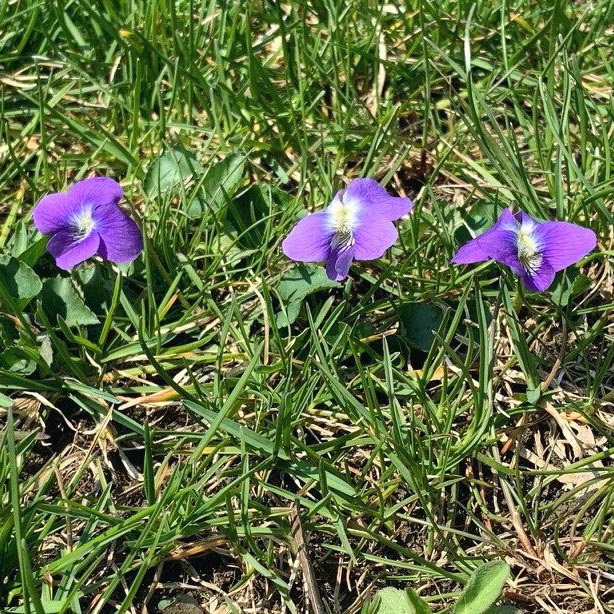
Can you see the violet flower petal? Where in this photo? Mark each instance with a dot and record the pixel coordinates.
(310, 240)
(121, 240)
(480, 248)
(540, 280)
(372, 195)
(471, 252)
(502, 247)
(498, 243)
(524, 218)
(96, 191)
(339, 261)
(564, 243)
(53, 211)
(372, 237)
(68, 251)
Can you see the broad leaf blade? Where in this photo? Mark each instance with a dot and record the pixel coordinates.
(59, 298)
(483, 589)
(19, 281)
(396, 601)
(295, 286)
(170, 169)
(419, 323)
(218, 185)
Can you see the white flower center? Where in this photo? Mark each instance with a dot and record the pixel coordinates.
(82, 223)
(529, 249)
(342, 220)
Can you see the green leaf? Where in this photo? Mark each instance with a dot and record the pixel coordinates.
(34, 252)
(580, 284)
(20, 238)
(568, 283)
(172, 167)
(419, 322)
(504, 609)
(51, 607)
(481, 216)
(218, 185)
(5, 401)
(59, 298)
(46, 350)
(395, 601)
(96, 287)
(420, 606)
(15, 360)
(483, 589)
(472, 222)
(296, 285)
(247, 216)
(20, 282)
(8, 332)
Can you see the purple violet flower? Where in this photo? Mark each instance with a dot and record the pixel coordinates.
(86, 221)
(356, 225)
(534, 250)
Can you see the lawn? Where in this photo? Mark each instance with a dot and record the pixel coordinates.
(216, 428)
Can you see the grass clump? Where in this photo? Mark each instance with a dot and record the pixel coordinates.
(218, 428)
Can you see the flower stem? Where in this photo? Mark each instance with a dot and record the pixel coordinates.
(519, 298)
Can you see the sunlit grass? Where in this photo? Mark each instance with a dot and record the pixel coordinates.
(402, 414)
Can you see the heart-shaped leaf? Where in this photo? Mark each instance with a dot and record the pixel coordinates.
(59, 298)
(218, 185)
(19, 281)
(419, 323)
(295, 286)
(172, 167)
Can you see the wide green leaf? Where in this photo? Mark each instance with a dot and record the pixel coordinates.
(218, 185)
(5, 401)
(296, 285)
(31, 252)
(15, 360)
(59, 298)
(419, 323)
(170, 169)
(19, 282)
(396, 601)
(504, 609)
(483, 589)
(567, 284)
